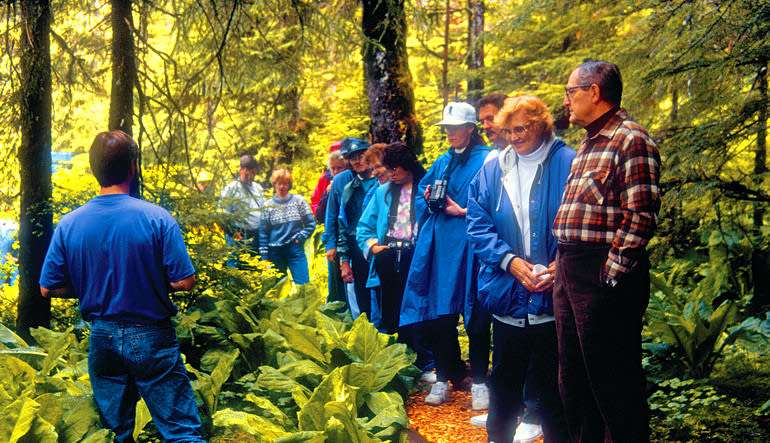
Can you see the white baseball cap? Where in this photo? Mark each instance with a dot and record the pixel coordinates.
(458, 113)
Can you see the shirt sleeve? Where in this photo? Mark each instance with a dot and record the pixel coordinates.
(176, 260)
(308, 221)
(54, 273)
(332, 213)
(480, 224)
(638, 174)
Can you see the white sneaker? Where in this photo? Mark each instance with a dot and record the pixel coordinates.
(479, 420)
(439, 393)
(527, 433)
(428, 377)
(480, 396)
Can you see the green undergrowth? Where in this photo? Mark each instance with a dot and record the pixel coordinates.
(733, 404)
(279, 366)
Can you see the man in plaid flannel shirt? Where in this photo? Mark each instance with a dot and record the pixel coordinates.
(607, 216)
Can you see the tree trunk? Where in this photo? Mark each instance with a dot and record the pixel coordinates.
(123, 77)
(760, 154)
(35, 220)
(445, 62)
(475, 59)
(389, 82)
(123, 67)
(760, 260)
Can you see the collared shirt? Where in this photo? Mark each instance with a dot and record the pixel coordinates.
(611, 195)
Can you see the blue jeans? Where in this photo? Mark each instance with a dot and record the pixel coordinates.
(292, 256)
(128, 360)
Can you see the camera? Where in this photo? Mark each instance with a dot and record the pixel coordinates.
(399, 244)
(437, 198)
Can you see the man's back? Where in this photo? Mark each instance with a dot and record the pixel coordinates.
(120, 254)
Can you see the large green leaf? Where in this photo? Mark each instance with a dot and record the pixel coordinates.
(350, 431)
(57, 345)
(17, 374)
(331, 329)
(259, 427)
(40, 432)
(10, 339)
(17, 419)
(364, 341)
(267, 407)
(303, 437)
(209, 386)
(390, 415)
(348, 384)
(273, 380)
(303, 369)
(387, 363)
(99, 436)
(304, 340)
(79, 417)
(312, 416)
(252, 349)
(233, 318)
(142, 417)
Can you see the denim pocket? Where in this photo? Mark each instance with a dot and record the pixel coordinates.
(153, 349)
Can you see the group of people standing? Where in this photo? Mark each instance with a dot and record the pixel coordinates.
(543, 242)
(275, 229)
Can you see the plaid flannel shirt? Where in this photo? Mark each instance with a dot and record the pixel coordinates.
(611, 195)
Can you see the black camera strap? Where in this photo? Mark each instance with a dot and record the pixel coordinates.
(455, 161)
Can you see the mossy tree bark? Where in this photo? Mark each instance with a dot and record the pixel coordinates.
(475, 60)
(123, 76)
(389, 82)
(35, 220)
(123, 67)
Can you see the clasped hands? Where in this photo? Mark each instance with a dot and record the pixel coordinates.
(540, 282)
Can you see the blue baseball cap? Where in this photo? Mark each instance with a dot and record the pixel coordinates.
(350, 145)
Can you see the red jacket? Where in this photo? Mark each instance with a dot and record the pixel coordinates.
(319, 195)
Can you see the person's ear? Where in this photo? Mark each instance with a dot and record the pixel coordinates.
(596, 94)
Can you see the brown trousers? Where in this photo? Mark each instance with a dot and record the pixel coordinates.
(601, 381)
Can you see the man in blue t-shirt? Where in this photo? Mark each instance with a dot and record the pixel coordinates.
(121, 257)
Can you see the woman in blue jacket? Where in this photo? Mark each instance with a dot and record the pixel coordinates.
(388, 229)
(511, 207)
(440, 279)
(287, 222)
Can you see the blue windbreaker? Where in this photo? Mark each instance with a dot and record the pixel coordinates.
(494, 231)
(440, 277)
(333, 208)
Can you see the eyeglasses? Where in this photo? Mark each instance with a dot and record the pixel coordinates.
(569, 89)
(518, 130)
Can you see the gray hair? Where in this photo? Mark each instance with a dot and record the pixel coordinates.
(333, 157)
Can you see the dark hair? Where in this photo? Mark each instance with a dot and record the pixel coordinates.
(248, 161)
(496, 100)
(111, 155)
(606, 75)
(398, 154)
(476, 138)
